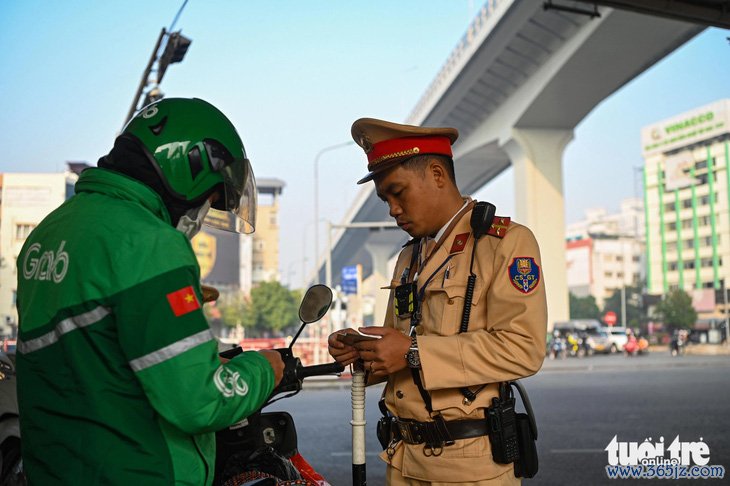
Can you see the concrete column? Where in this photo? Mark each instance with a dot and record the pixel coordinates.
(380, 254)
(537, 158)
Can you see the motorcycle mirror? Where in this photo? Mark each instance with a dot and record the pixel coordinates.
(315, 304)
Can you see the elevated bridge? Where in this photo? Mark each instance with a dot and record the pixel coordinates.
(515, 86)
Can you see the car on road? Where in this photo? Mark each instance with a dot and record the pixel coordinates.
(599, 341)
(617, 338)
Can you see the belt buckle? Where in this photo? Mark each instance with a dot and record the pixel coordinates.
(405, 431)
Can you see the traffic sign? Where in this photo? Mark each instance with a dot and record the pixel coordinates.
(610, 318)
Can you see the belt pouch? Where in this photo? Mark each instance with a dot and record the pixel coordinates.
(526, 465)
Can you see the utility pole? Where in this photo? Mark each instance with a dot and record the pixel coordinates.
(175, 48)
(145, 77)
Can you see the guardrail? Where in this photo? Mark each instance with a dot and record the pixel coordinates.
(457, 55)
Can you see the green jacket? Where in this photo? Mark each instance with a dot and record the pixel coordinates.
(118, 374)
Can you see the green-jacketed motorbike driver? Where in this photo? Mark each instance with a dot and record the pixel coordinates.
(119, 380)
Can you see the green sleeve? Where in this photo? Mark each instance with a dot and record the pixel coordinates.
(169, 345)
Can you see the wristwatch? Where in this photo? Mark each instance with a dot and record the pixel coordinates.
(412, 357)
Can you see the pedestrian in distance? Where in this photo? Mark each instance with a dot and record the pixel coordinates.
(443, 366)
(119, 380)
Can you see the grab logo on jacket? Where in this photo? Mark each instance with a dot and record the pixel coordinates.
(45, 265)
(230, 383)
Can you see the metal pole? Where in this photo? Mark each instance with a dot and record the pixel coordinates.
(316, 202)
(623, 306)
(145, 77)
(328, 275)
(358, 426)
(727, 322)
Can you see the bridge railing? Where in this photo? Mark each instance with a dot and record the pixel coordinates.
(457, 55)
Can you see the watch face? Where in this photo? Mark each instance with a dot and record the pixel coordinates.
(414, 359)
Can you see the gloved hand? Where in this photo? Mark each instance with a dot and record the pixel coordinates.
(210, 294)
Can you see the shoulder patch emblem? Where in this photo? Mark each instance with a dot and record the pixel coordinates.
(499, 226)
(459, 243)
(524, 274)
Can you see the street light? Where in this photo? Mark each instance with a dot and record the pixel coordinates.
(316, 198)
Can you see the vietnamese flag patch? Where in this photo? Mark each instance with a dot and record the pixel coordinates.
(183, 301)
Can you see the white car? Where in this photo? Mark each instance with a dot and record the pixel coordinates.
(617, 336)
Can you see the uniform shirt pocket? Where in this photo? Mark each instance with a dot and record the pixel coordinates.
(443, 306)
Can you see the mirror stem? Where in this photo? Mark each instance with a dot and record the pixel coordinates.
(301, 328)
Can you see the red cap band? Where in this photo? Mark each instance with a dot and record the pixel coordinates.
(408, 146)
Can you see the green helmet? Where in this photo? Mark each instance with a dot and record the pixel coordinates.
(196, 151)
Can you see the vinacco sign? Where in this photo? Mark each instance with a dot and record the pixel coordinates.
(688, 128)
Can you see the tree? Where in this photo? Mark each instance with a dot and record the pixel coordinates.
(584, 307)
(271, 308)
(634, 308)
(676, 310)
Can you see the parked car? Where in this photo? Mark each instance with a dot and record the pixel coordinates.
(617, 336)
(600, 341)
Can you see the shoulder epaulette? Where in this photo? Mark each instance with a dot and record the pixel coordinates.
(499, 226)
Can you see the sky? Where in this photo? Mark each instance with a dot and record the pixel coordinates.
(293, 76)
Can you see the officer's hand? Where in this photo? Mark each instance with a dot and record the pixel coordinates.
(341, 352)
(387, 354)
(276, 363)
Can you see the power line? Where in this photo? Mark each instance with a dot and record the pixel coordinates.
(177, 16)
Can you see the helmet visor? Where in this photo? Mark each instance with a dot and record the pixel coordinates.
(239, 198)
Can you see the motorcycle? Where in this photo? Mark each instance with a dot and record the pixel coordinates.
(678, 344)
(262, 449)
(558, 348)
(11, 464)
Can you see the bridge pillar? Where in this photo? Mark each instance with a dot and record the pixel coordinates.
(380, 254)
(537, 158)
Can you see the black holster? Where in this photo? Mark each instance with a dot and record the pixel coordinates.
(384, 428)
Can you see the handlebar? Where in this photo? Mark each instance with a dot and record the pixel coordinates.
(318, 370)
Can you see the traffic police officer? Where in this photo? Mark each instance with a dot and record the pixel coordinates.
(439, 375)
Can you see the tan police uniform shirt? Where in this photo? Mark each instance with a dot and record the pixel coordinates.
(505, 341)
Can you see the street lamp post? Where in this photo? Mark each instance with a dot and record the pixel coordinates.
(316, 197)
(363, 224)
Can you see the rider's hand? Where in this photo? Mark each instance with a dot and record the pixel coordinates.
(277, 364)
(341, 352)
(385, 355)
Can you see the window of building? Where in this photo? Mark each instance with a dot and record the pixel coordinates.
(669, 207)
(619, 258)
(705, 200)
(689, 265)
(672, 246)
(608, 274)
(673, 287)
(704, 221)
(708, 285)
(701, 164)
(636, 258)
(22, 230)
(687, 223)
(687, 203)
(688, 244)
(672, 266)
(272, 220)
(620, 275)
(672, 226)
(707, 240)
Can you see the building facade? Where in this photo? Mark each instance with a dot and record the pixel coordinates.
(25, 199)
(686, 181)
(265, 240)
(604, 252)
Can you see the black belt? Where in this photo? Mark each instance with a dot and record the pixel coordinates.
(413, 432)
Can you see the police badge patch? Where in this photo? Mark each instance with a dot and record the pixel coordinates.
(524, 274)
